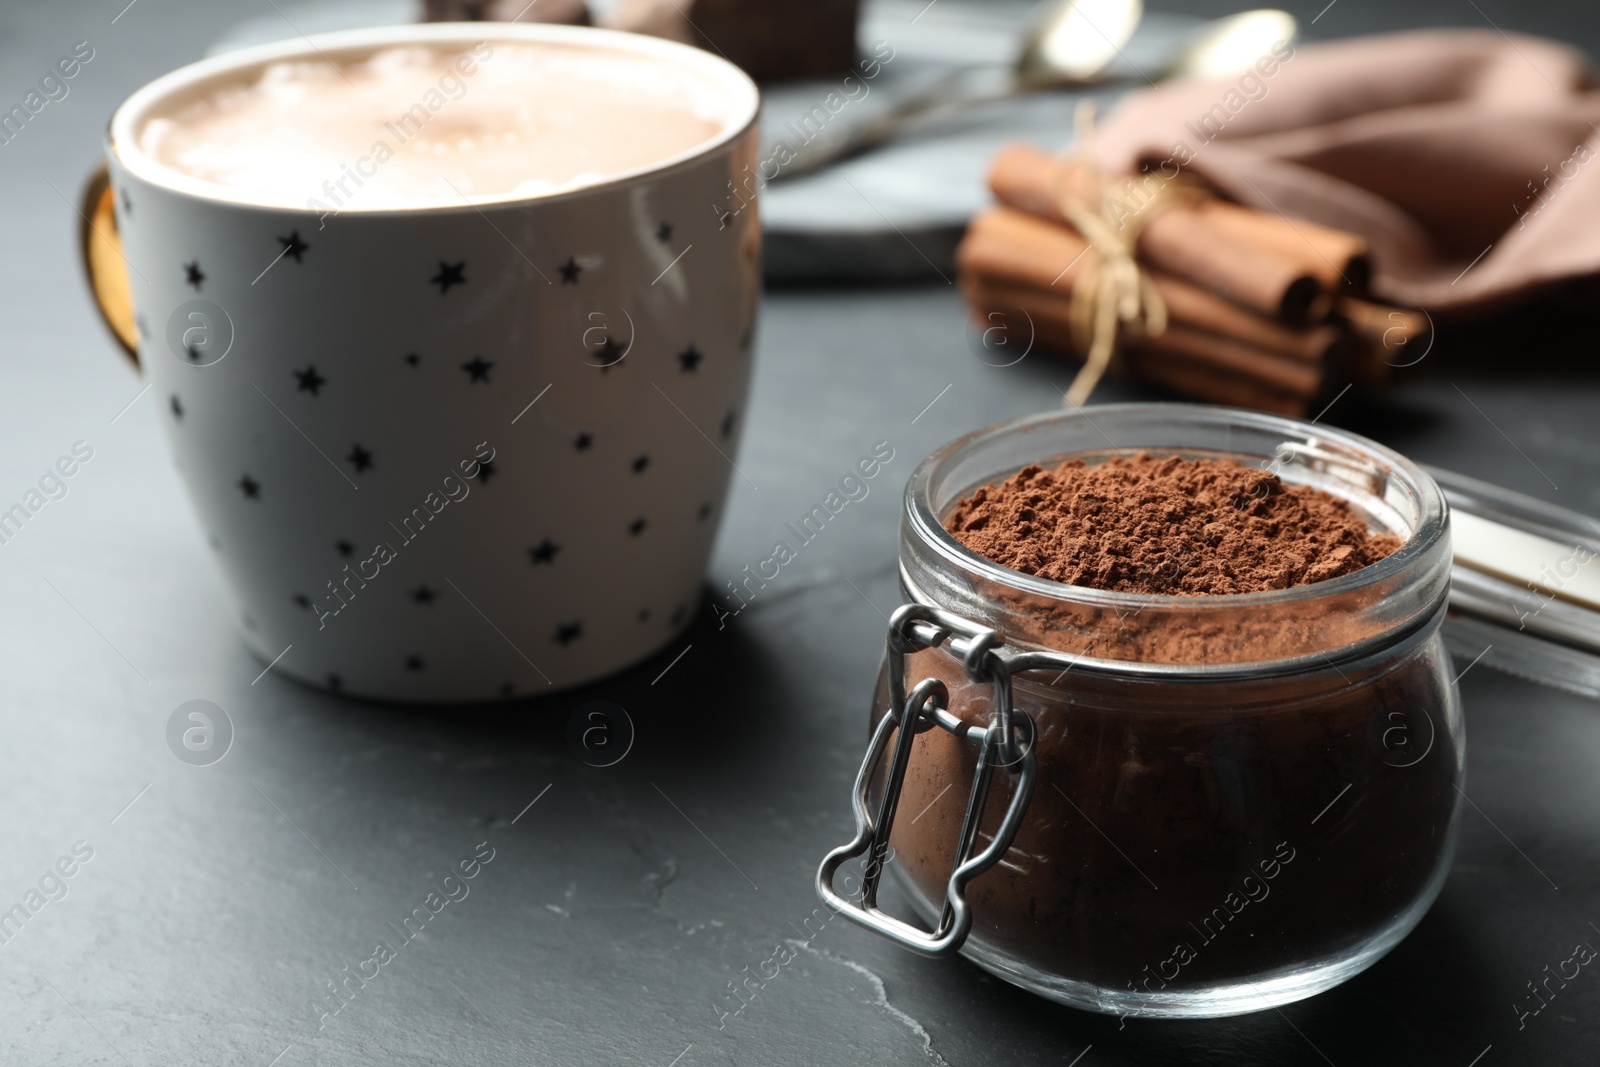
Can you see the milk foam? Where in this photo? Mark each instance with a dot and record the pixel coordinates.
(419, 126)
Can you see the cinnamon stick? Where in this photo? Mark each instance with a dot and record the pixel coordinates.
(1203, 383)
(1169, 370)
(1010, 246)
(1392, 338)
(1339, 260)
(1235, 365)
(1263, 274)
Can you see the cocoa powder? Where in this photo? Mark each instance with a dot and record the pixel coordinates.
(1144, 524)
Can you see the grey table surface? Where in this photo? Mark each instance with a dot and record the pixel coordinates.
(219, 902)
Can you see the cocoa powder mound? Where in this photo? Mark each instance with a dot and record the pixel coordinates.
(1146, 524)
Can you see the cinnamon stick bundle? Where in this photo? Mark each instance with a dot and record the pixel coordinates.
(1262, 261)
(1261, 311)
(1008, 246)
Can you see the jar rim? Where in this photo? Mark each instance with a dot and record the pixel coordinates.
(1430, 529)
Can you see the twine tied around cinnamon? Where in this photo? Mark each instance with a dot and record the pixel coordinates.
(1115, 299)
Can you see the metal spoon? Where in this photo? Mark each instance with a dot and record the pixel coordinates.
(1073, 41)
(1072, 44)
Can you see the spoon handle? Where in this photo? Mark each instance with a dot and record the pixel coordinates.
(949, 94)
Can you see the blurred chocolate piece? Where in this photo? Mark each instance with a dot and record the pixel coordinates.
(771, 41)
(568, 12)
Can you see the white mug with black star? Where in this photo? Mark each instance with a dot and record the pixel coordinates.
(455, 453)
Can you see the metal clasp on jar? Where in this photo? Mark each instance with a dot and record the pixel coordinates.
(1007, 742)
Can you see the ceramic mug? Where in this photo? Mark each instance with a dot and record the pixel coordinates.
(455, 453)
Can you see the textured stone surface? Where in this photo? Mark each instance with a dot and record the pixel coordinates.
(206, 925)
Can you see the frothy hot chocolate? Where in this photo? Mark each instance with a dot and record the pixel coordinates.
(419, 126)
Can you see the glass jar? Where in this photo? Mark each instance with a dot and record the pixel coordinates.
(1174, 805)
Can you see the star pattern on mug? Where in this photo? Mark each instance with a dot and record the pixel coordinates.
(449, 274)
(127, 204)
(478, 370)
(293, 247)
(309, 381)
(609, 354)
